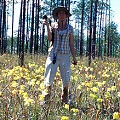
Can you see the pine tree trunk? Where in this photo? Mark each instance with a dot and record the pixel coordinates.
(27, 31)
(82, 23)
(22, 33)
(100, 42)
(36, 27)
(32, 28)
(19, 31)
(105, 46)
(12, 40)
(0, 27)
(109, 32)
(94, 31)
(90, 39)
(4, 28)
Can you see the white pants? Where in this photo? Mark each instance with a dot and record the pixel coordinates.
(64, 64)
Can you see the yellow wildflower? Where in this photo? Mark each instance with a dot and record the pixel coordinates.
(32, 82)
(75, 77)
(86, 75)
(17, 78)
(99, 84)
(104, 82)
(83, 83)
(41, 68)
(59, 83)
(42, 97)
(29, 101)
(0, 94)
(93, 95)
(42, 86)
(91, 69)
(22, 87)
(105, 75)
(113, 88)
(99, 100)
(65, 118)
(86, 68)
(118, 94)
(108, 89)
(113, 74)
(25, 95)
(1, 80)
(89, 84)
(38, 82)
(14, 84)
(67, 106)
(99, 72)
(75, 110)
(45, 92)
(116, 115)
(79, 87)
(107, 95)
(95, 89)
(21, 92)
(14, 92)
(91, 76)
(42, 78)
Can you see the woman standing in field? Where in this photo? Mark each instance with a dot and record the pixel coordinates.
(61, 36)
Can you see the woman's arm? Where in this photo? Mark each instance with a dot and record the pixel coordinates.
(49, 31)
(72, 48)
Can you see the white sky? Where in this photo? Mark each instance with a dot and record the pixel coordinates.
(114, 6)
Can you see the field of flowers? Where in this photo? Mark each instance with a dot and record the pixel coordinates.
(96, 90)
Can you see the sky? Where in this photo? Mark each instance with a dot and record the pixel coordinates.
(115, 7)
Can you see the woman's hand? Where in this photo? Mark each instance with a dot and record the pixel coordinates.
(45, 22)
(74, 61)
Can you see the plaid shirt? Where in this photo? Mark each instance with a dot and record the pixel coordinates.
(62, 40)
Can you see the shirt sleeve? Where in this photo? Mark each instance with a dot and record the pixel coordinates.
(70, 29)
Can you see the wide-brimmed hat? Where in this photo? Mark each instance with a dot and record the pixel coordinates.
(60, 8)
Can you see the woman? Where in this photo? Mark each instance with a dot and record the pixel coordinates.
(61, 36)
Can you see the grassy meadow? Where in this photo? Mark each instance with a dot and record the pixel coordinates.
(95, 89)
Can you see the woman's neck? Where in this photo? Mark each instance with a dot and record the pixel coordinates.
(62, 25)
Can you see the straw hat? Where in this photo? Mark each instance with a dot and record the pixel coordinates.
(60, 8)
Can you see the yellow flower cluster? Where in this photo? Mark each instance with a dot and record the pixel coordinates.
(95, 86)
(24, 80)
(0, 93)
(65, 118)
(75, 110)
(116, 115)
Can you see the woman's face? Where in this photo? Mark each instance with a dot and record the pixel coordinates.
(62, 15)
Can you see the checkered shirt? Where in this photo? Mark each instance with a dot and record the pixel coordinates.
(62, 40)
